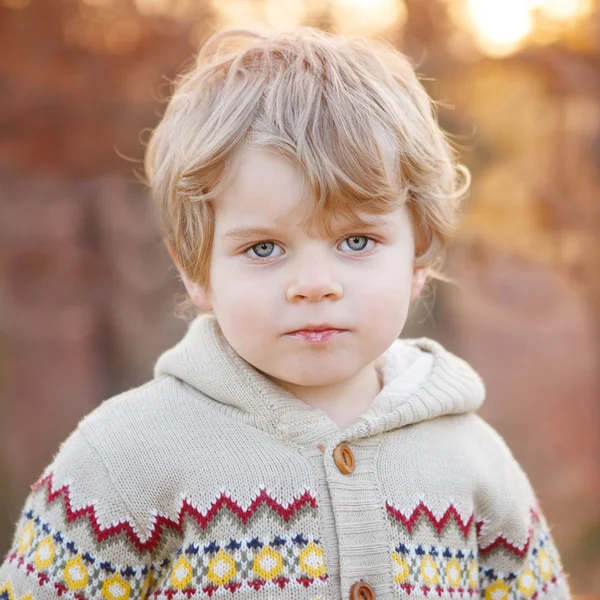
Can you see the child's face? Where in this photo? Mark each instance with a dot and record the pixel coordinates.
(296, 280)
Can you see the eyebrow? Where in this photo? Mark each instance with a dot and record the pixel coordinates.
(243, 232)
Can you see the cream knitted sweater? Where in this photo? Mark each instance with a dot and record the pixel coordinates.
(210, 481)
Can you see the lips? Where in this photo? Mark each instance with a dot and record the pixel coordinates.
(321, 327)
(312, 335)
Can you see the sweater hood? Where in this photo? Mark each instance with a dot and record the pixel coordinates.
(421, 381)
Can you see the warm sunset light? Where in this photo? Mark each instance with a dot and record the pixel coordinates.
(565, 10)
(367, 16)
(284, 14)
(501, 27)
(239, 13)
(155, 7)
(357, 17)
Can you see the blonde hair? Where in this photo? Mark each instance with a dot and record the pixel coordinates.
(350, 114)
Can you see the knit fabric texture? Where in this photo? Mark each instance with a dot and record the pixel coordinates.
(210, 481)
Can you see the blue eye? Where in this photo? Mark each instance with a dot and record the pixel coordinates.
(358, 243)
(356, 239)
(263, 250)
(264, 247)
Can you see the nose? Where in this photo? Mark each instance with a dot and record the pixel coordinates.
(313, 281)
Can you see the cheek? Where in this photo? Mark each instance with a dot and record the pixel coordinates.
(385, 295)
(240, 296)
(391, 281)
(387, 304)
(229, 282)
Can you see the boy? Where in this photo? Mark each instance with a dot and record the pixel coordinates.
(290, 445)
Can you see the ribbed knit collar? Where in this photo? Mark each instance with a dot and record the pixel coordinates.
(435, 383)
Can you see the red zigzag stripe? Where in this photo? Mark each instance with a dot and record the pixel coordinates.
(451, 512)
(438, 524)
(502, 542)
(162, 522)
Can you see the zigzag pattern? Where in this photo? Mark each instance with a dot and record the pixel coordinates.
(161, 522)
(438, 524)
(502, 542)
(452, 513)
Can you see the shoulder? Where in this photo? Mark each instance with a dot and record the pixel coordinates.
(495, 462)
(500, 486)
(132, 408)
(120, 463)
(150, 416)
(468, 432)
(142, 435)
(463, 431)
(463, 458)
(83, 464)
(468, 446)
(82, 512)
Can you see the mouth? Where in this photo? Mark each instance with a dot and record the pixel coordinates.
(316, 334)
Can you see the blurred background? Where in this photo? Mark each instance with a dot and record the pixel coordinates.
(87, 291)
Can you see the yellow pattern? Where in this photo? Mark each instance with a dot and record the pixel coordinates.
(312, 560)
(527, 583)
(116, 588)
(497, 591)
(181, 573)
(403, 571)
(8, 589)
(221, 568)
(147, 585)
(45, 553)
(453, 572)
(75, 574)
(9, 592)
(268, 563)
(429, 571)
(473, 575)
(545, 565)
(26, 538)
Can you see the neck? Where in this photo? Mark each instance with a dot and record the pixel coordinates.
(343, 402)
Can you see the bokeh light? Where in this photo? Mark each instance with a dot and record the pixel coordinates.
(367, 16)
(288, 14)
(501, 28)
(354, 17)
(239, 13)
(565, 10)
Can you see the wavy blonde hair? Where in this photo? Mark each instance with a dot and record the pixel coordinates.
(350, 114)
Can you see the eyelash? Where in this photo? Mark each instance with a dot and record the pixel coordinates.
(265, 259)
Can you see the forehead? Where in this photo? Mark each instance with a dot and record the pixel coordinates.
(262, 184)
(267, 190)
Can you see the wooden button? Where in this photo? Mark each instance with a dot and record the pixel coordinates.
(344, 459)
(362, 591)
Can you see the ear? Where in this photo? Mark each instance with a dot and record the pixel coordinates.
(418, 282)
(196, 292)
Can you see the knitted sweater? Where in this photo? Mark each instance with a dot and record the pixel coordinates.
(210, 481)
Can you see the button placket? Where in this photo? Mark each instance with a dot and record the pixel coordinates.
(359, 518)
